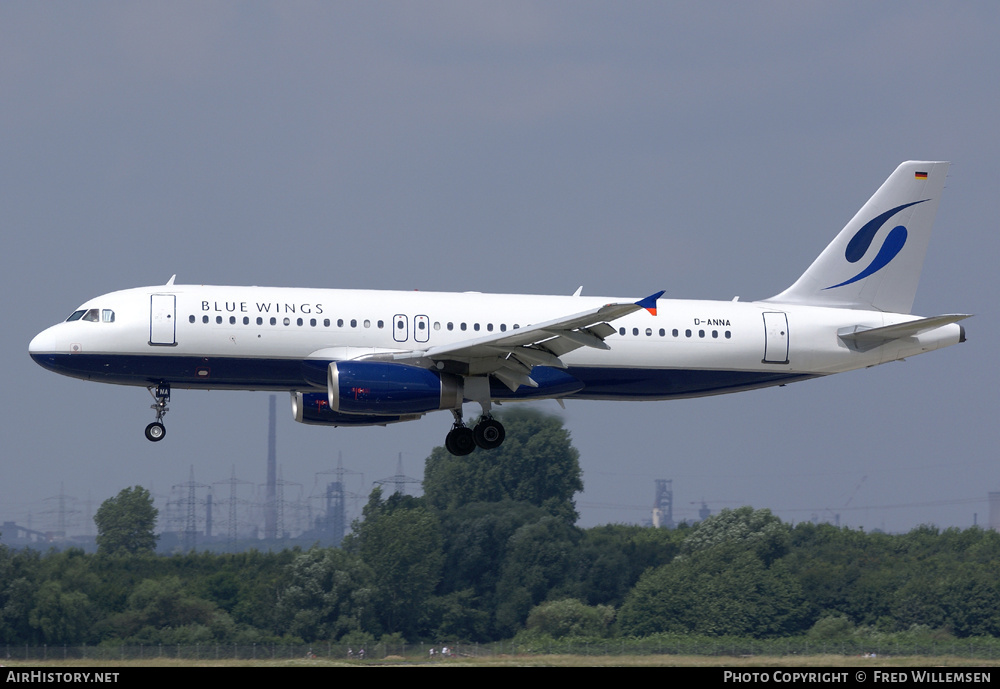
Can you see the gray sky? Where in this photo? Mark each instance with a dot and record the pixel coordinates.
(709, 149)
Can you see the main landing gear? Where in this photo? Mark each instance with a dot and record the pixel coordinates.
(462, 440)
(161, 394)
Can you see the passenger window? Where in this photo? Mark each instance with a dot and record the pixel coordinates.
(191, 318)
(274, 321)
(503, 327)
(232, 320)
(635, 331)
(475, 326)
(204, 319)
(354, 322)
(260, 321)
(621, 331)
(368, 323)
(489, 326)
(246, 320)
(462, 326)
(326, 322)
(287, 320)
(649, 331)
(381, 324)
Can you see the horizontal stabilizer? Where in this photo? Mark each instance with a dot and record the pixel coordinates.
(861, 339)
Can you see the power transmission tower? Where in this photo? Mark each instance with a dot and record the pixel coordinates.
(400, 480)
(232, 530)
(334, 520)
(62, 511)
(189, 536)
(663, 507)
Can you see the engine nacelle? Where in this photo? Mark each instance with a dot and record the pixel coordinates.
(314, 408)
(375, 387)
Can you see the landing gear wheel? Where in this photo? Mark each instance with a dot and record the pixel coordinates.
(460, 441)
(155, 431)
(489, 434)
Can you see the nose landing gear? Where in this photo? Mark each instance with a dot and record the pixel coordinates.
(156, 431)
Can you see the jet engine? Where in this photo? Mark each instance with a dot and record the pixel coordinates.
(313, 408)
(375, 387)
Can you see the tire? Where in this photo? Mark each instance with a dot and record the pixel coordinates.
(460, 441)
(489, 434)
(155, 432)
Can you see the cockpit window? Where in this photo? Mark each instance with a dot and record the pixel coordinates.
(93, 315)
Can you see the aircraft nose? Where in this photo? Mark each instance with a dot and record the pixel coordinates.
(45, 350)
(42, 343)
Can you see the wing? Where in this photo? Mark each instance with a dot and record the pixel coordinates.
(511, 355)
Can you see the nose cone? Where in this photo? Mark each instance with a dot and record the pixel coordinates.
(42, 342)
(43, 348)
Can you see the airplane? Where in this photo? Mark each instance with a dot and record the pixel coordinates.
(367, 357)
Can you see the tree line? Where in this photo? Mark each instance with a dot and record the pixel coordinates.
(491, 552)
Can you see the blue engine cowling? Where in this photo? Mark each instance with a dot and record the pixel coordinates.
(314, 408)
(375, 387)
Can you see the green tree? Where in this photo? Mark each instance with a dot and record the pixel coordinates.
(570, 617)
(62, 617)
(744, 528)
(540, 562)
(328, 589)
(536, 464)
(614, 556)
(125, 523)
(400, 540)
(164, 611)
(729, 579)
(715, 593)
(19, 580)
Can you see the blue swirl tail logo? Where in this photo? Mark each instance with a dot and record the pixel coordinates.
(862, 241)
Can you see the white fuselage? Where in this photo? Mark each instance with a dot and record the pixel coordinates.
(257, 338)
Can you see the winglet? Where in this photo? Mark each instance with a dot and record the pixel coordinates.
(649, 303)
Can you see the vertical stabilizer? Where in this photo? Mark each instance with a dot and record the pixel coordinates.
(875, 261)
